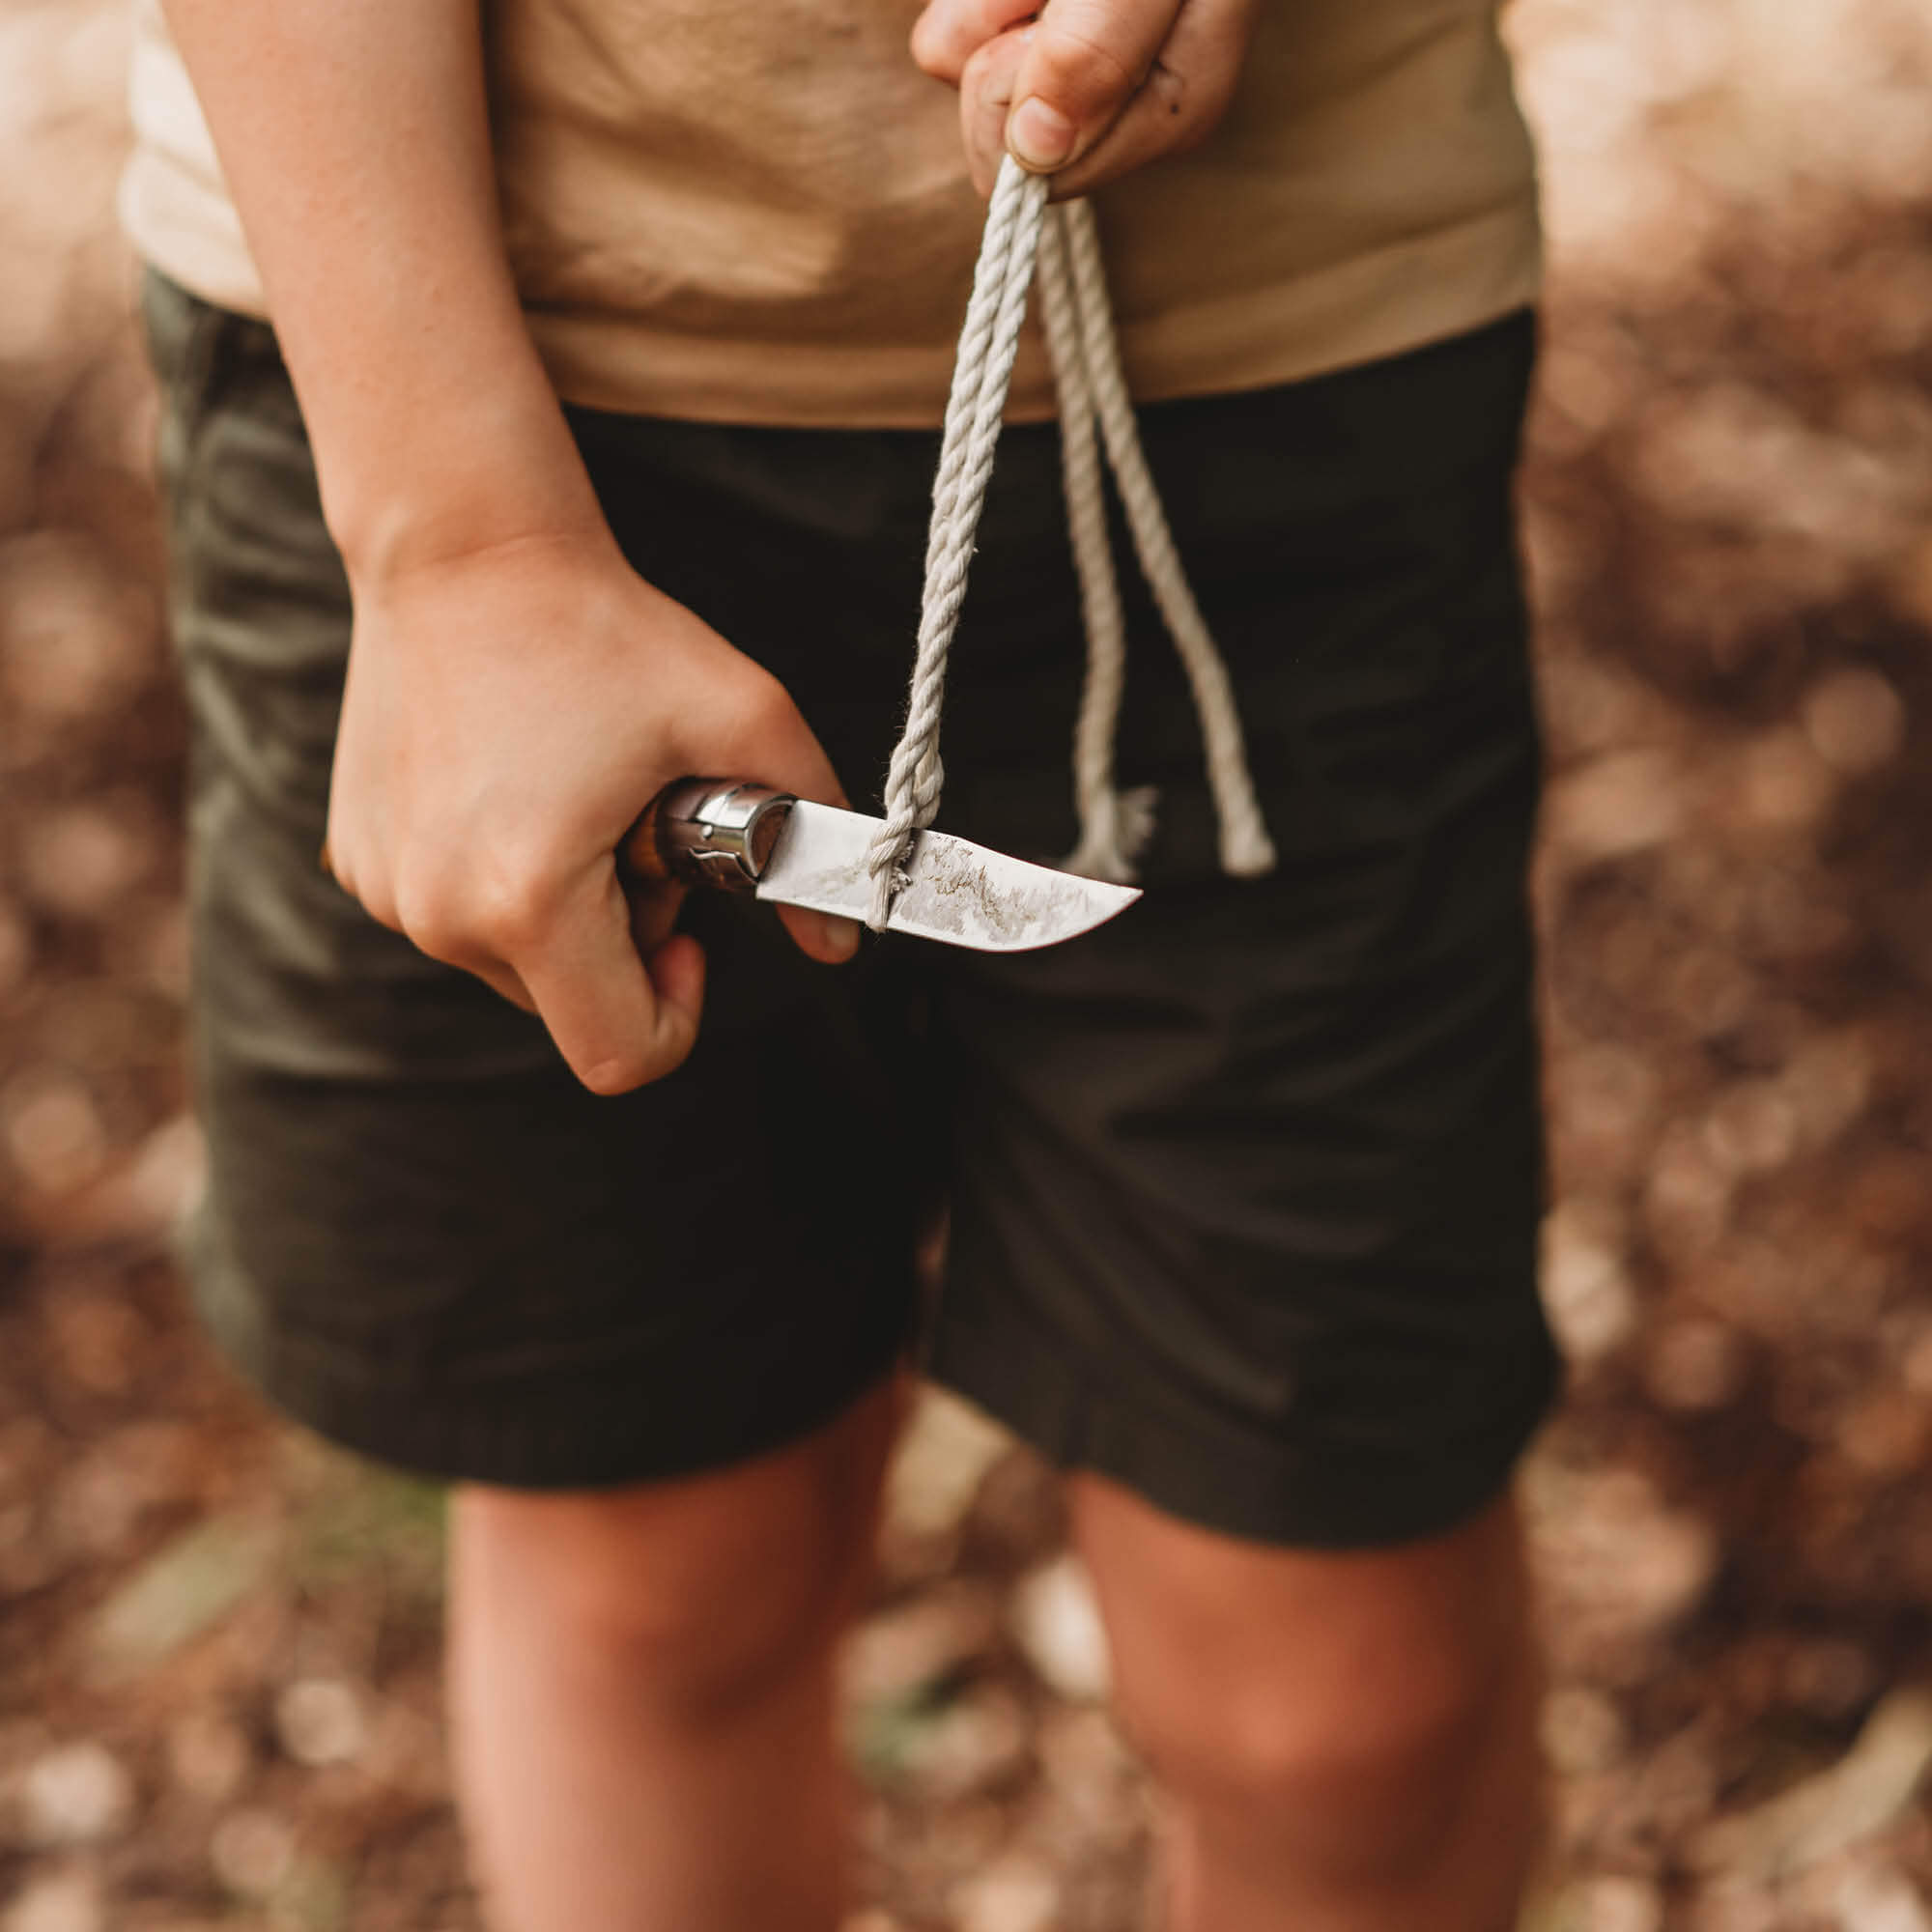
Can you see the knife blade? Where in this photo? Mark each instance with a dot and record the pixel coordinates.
(749, 838)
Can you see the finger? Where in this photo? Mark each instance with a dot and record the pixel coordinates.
(1185, 93)
(500, 980)
(1084, 60)
(1167, 116)
(654, 913)
(768, 740)
(677, 969)
(950, 32)
(985, 98)
(380, 906)
(616, 1024)
(757, 735)
(821, 935)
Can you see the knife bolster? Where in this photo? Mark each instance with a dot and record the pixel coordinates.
(709, 831)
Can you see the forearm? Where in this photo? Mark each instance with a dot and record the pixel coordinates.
(356, 141)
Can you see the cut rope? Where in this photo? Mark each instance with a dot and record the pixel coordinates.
(1092, 389)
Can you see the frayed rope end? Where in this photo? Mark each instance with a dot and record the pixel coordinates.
(1246, 850)
(1114, 836)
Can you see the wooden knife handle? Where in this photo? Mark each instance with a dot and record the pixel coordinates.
(706, 832)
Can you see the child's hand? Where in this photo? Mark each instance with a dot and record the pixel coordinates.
(1088, 89)
(509, 715)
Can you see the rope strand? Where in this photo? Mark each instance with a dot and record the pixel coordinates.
(1113, 826)
(1246, 850)
(1092, 391)
(980, 375)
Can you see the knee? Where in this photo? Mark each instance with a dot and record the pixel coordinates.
(1345, 1705)
(1298, 1747)
(700, 1597)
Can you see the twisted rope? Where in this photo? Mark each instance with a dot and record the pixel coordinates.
(1113, 825)
(1092, 389)
(1245, 848)
(980, 372)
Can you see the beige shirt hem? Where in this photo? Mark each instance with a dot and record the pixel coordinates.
(1363, 308)
(1369, 306)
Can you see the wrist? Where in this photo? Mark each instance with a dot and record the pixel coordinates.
(457, 484)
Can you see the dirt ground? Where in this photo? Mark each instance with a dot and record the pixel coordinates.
(218, 1643)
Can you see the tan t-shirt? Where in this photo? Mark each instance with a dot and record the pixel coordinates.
(759, 211)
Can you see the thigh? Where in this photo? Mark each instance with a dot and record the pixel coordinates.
(422, 1236)
(1247, 1183)
(699, 1585)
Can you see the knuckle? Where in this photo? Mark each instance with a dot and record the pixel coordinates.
(427, 915)
(368, 885)
(1077, 71)
(379, 905)
(483, 911)
(983, 65)
(986, 93)
(771, 705)
(767, 719)
(338, 867)
(509, 906)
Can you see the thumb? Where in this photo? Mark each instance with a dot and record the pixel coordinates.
(776, 747)
(1084, 62)
(821, 935)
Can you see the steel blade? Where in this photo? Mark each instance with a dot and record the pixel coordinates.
(956, 892)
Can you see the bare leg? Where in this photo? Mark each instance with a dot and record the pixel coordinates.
(1344, 1743)
(641, 1690)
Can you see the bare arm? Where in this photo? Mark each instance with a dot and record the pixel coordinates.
(488, 762)
(353, 137)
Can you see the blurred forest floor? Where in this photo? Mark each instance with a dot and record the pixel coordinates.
(218, 1643)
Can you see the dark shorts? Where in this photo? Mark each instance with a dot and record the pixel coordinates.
(1243, 1187)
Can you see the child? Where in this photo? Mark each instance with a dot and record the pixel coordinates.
(1243, 1187)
